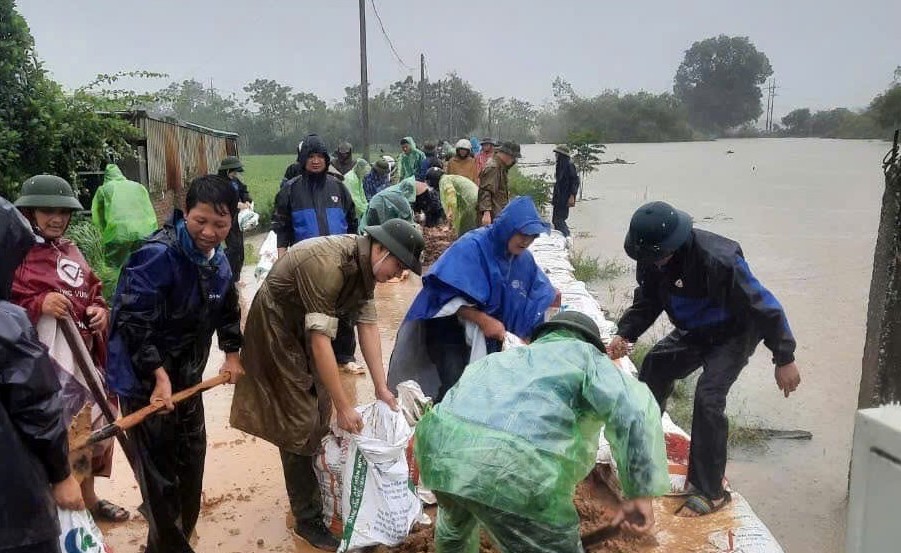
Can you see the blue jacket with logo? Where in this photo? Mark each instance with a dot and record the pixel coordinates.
(312, 204)
(709, 292)
(165, 311)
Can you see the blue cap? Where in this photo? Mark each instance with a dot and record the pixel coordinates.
(534, 228)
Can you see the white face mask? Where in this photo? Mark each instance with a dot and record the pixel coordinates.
(379, 262)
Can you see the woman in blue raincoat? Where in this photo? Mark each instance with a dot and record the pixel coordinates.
(485, 285)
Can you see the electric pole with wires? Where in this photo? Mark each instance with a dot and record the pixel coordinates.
(364, 82)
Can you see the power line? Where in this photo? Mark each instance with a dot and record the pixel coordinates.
(387, 38)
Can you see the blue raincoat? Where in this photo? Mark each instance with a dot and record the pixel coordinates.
(476, 270)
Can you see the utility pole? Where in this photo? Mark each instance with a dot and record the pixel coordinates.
(364, 82)
(422, 96)
(880, 379)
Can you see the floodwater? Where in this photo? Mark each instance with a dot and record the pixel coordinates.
(805, 212)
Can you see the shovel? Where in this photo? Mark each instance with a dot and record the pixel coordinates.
(136, 418)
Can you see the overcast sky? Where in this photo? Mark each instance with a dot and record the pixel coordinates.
(825, 53)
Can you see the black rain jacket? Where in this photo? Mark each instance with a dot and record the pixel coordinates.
(708, 291)
(33, 442)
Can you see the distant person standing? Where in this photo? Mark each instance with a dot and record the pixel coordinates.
(463, 163)
(314, 204)
(410, 159)
(231, 168)
(344, 158)
(486, 154)
(122, 211)
(494, 192)
(721, 313)
(296, 168)
(566, 184)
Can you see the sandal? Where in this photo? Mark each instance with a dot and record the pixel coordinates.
(702, 506)
(109, 512)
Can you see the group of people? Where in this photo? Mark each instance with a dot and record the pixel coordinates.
(529, 416)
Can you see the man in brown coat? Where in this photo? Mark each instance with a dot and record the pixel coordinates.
(494, 193)
(292, 377)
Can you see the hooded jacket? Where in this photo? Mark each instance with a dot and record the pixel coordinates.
(478, 266)
(708, 291)
(311, 205)
(394, 202)
(166, 309)
(121, 209)
(33, 436)
(465, 167)
(410, 163)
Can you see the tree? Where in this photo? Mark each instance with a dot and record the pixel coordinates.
(42, 129)
(886, 107)
(719, 82)
(586, 153)
(797, 122)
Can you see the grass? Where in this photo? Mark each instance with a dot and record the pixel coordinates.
(537, 187)
(681, 405)
(251, 255)
(263, 177)
(90, 242)
(585, 267)
(613, 268)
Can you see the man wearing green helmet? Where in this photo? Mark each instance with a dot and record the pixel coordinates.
(54, 281)
(530, 418)
(231, 168)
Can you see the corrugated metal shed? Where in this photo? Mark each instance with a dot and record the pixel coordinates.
(171, 154)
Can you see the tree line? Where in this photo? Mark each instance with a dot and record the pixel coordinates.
(717, 88)
(882, 115)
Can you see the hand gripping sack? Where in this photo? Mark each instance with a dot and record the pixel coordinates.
(378, 502)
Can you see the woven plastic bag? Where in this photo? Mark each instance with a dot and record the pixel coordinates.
(79, 533)
(378, 502)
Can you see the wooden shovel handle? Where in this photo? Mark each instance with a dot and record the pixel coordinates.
(138, 416)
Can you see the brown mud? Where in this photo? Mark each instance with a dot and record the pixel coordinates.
(437, 239)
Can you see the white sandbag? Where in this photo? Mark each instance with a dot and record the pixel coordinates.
(248, 219)
(328, 465)
(747, 533)
(79, 533)
(377, 502)
(268, 256)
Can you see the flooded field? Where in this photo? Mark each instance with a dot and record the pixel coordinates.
(806, 213)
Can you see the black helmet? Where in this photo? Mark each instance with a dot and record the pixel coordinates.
(48, 191)
(657, 230)
(433, 176)
(402, 240)
(573, 320)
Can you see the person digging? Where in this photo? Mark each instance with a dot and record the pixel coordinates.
(721, 313)
(509, 443)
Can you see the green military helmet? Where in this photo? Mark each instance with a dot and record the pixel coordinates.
(48, 191)
(576, 321)
(402, 239)
(231, 163)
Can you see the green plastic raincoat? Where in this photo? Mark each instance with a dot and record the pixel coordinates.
(393, 202)
(520, 430)
(353, 180)
(122, 211)
(408, 164)
(459, 197)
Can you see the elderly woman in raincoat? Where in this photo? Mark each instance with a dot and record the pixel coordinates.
(485, 285)
(292, 380)
(54, 281)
